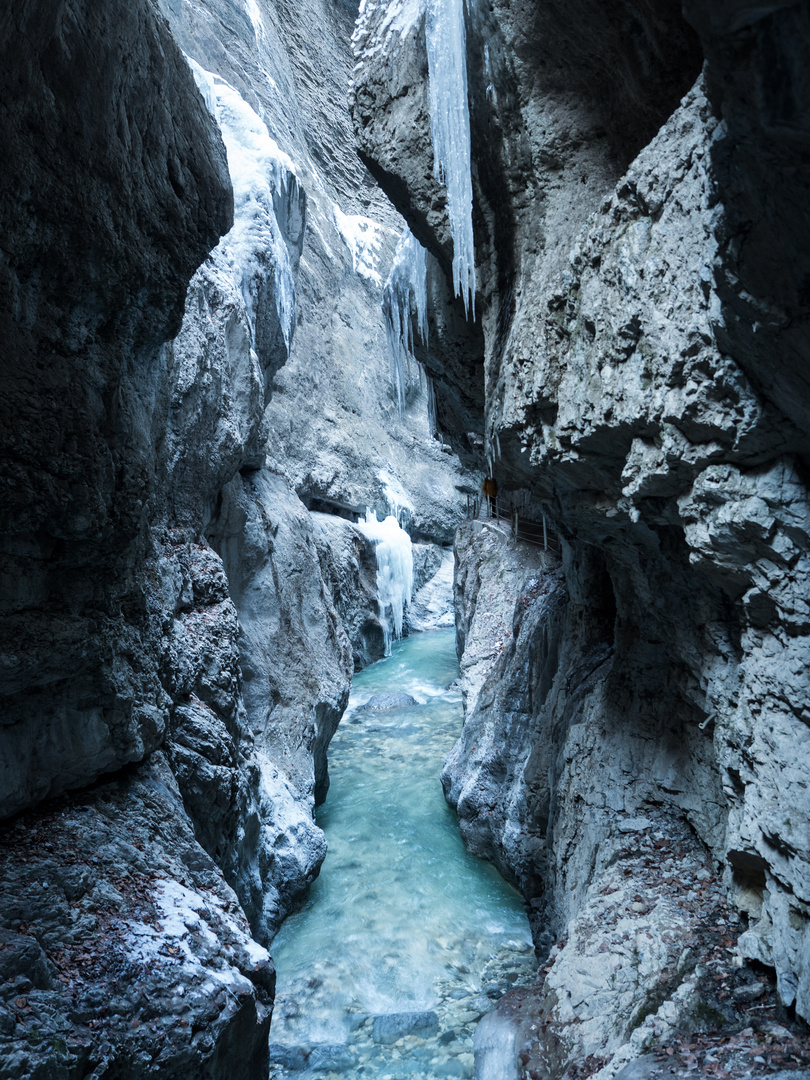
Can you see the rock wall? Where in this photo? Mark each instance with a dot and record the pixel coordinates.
(175, 659)
(116, 629)
(634, 387)
(111, 197)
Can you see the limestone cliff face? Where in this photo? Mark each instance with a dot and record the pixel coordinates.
(117, 629)
(635, 367)
(111, 197)
(281, 374)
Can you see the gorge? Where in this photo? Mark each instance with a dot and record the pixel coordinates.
(277, 278)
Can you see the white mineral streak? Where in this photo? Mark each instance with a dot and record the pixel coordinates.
(450, 129)
(363, 238)
(405, 291)
(261, 175)
(394, 571)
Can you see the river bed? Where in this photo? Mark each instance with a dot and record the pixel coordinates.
(402, 921)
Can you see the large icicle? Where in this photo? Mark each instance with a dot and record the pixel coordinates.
(406, 288)
(450, 130)
(394, 571)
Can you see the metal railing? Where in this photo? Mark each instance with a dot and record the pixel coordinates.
(523, 528)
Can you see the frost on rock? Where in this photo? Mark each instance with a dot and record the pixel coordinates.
(363, 238)
(377, 20)
(405, 292)
(255, 16)
(394, 571)
(201, 936)
(263, 176)
(450, 129)
(399, 503)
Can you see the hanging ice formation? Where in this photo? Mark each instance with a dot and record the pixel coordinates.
(405, 289)
(262, 176)
(450, 129)
(433, 417)
(394, 571)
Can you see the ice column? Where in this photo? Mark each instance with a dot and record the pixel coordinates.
(394, 571)
(450, 129)
(405, 288)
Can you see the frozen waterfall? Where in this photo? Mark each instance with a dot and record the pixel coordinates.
(405, 289)
(450, 130)
(394, 571)
(262, 175)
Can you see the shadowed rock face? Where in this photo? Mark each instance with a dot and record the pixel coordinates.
(757, 57)
(643, 383)
(114, 188)
(111, 194)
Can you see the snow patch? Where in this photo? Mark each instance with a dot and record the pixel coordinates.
(363, 237)
(255, 16)
(378, 19)
(395, 495)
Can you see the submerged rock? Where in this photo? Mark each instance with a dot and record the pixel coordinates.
(394, 1026)
(383, 702)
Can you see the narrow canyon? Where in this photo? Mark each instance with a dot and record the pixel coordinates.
(416, 387)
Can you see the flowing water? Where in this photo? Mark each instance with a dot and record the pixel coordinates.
(402, 920)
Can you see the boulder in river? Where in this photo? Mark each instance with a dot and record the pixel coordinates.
(394, 1026)
(383, 702)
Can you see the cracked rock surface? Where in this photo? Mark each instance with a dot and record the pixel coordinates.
(636, 360)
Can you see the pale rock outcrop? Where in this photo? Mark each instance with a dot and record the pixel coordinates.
(432, 605)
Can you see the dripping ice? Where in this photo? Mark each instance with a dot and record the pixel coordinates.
(450, 130)
(394, 552)
(261, 175)
(446, 40)
(405, 290)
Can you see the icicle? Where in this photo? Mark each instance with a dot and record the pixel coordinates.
(394, 571)
(450, 129)
(433, 418)
(405, 288)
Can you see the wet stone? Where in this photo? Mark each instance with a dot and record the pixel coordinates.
(389, 1029)
(383, 702)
